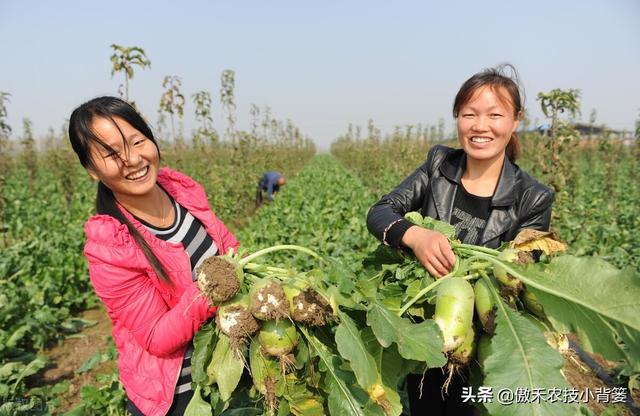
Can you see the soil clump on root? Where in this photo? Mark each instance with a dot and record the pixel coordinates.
(238, 324)
(217, 279)
(270, 303)
(311, 309)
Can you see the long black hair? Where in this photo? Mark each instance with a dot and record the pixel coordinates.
(82, 137)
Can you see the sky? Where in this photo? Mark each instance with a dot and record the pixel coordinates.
(322, 64)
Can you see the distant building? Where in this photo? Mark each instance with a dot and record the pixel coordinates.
(587, 131)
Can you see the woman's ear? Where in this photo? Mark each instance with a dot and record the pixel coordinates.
(516, 123)
(93, 175)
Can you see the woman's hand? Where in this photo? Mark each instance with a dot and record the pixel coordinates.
(431, 248)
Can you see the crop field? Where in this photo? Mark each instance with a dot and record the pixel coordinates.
(416, 208)
(45, 286)
(348, 318)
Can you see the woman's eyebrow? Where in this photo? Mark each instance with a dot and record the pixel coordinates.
(130, 138)
(492, 108)
(111, 146)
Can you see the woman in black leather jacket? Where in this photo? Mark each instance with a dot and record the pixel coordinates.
(477, 188)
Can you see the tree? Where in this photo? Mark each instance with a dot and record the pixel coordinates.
(373, 133)
(29, 154)
(5, 129)
(172, 101)
(592, 122)
(227, 85)
(441, 128)
(202, 100)
(266, 122)
(123, 60)
(560, 168)
(254, 111)
(558, 101)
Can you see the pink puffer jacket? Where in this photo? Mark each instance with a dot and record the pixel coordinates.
(152, 321)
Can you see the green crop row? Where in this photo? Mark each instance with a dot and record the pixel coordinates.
(323, 208)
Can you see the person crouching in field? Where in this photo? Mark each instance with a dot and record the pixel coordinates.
(478, 188)
(270, 183)
(153, 228)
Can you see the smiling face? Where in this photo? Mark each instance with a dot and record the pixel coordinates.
(132, 169)
(485, 124)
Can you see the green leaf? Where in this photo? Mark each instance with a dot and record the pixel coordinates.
(197, 406)
(242, 411)
(17, 335)
(520, 358)
(90, 363)
(32, 368)
(391, 296)
(342, 401)
(351, 347)
(420, 342)
(590, 297)
(76, 411)
(77, 324)
(391, 366)
(307, 407)
(445, 228)
(301, 402)
(631, 340)
(340, 275)
(8, 369)
(225, 367)
(415, 217)
(203, 343)
(335, 401)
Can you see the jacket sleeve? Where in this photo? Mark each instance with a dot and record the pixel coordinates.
(538, 214)
(228, 239)
(406, 197)
(134, 302)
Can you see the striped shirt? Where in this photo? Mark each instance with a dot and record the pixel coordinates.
(189, 231)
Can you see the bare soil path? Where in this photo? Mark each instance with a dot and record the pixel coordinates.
(67, 357)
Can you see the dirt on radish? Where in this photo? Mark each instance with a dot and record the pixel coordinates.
(268, 302)
(218, 279)
(310, 308)
(237, 322)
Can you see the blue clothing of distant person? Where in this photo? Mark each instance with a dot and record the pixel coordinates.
(269, 183)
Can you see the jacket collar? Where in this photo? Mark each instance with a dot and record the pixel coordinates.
(453, 167)
(178, 186)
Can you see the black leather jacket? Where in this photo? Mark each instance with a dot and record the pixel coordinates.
(518, 202)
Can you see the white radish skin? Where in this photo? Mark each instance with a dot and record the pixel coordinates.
(454, 311)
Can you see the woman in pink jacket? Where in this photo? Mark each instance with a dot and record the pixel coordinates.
(154, 227)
